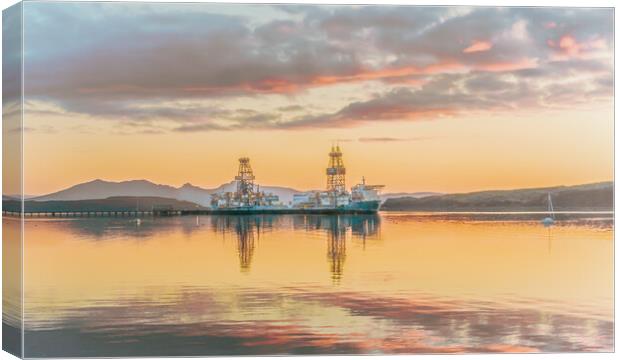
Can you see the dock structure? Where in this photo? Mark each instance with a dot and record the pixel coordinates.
(159, 213)
(97, 213)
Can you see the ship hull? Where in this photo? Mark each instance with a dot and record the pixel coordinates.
(370, 206)
(358, 207)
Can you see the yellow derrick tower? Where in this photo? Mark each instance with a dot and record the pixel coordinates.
(336, 171)
(245, 182)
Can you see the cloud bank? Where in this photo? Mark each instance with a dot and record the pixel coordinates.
(188, 65)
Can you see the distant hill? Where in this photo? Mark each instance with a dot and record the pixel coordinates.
(16, 197)
(588, 197)
(121, 203)
(416, 195)
(101, 189)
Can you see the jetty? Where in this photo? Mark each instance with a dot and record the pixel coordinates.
(235, 211)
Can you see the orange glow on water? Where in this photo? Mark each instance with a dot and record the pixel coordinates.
(277, 283)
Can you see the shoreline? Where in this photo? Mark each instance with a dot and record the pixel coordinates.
(331, 212)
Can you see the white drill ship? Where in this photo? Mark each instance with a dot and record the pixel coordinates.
(249, 198)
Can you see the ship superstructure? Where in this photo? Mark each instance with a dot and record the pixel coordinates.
(362, 197)
(246, 194)
(364, 192)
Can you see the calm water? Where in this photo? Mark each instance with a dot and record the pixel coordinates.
(393, 283)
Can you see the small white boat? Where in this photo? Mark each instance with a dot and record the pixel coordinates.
(549, 220)
(138, 220)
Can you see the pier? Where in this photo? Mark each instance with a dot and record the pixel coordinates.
(170, 212)
(97, 213)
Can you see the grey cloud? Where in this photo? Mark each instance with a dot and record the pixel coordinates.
(261, 118)
(201, 127)
(486, 83)
(139, 110)
(445, 96)
(234, 120)
(515, 33)
(390, 139)
(291, 108)
(120, 61)
(347, 23)
(190, 56)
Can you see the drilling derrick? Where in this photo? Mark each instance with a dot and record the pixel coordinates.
(245, 183)
(336, 172)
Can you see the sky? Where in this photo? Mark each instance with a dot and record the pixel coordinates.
(449, 99)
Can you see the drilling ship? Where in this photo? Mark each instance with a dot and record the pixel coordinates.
(248, 197)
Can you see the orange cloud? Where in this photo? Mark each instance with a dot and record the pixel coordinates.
(525, 63)
(569, 47)
(405, 75)
(508, 348)
(400, 75)
(478, 46)
(390, 73)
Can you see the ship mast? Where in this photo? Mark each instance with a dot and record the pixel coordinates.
(550, 206)
(336, 172)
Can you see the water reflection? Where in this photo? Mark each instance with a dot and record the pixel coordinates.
(248, 229)
(336, 252)
(361, 226)
(205, 322)
(398, 283)
(245, 244)
(337, 229)
(549, 238)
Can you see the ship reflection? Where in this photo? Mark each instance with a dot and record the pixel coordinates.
(338, 230)
(336, 249)
(245, 243)
(361, 228)
(247, 229)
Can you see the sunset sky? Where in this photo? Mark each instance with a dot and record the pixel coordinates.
(448, 99)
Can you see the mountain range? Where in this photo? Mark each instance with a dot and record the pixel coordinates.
(101, 189)
(587, 197)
